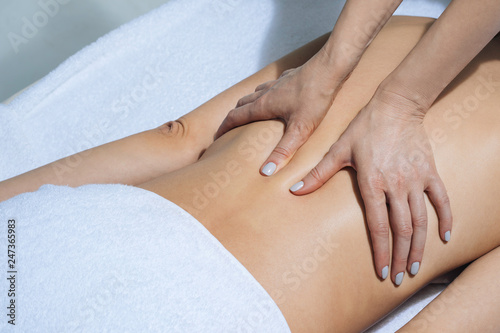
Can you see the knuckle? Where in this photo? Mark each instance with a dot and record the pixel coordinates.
(265, 85)
(286, 72)
(281, 151)
(426, 169)
(404, 230)
(398, 182)
(258, 104)
(446, 221)
(374, 182)
(317, 174)
(302, 128)
(399, 261)
(231, 118)
(417, 251)
(420, 221)
(231, 115)
(241, 102)
(336, 151)
(443, 200)
(401, 180)
(379, 228)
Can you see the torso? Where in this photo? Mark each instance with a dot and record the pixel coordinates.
(312, 253)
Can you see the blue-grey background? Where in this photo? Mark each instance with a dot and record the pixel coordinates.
(76, 23)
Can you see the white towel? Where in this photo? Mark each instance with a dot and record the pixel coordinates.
(116, 258)
(157, 68)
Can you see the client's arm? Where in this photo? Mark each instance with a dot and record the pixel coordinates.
(131, 160)
(144, 156)
(471, 303)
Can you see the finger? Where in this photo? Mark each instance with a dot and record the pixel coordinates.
(286, 72)
(265, 85)
(249, 98)
(419, 221)
(336, 159)
(241, 116)
(377, 220)
(400, 221)
(439, 198)
(294, 137)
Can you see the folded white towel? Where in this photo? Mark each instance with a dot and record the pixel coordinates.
(116, 258)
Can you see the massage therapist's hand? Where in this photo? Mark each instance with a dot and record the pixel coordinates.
(300, 97)
(388, 147)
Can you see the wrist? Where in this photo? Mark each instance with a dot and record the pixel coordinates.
(399, 104)
(403, 99)
(330, 72)
(409, 84)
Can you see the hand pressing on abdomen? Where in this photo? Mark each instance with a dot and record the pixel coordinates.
(300, 97)
(387, 145)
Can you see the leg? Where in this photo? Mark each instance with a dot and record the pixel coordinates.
(147, 155)
(469, 304)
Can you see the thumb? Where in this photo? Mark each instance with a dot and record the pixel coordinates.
(337, 158)
(293, 139)
(243, 115)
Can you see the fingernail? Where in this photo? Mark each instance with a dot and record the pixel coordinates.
(297, 186)
(399, 278)
(447, 236)
(385, 272)
(269, 169)
(414, 268)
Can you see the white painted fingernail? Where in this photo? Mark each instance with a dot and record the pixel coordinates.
(447, 236)
(414, 268)
(297, 186)
(399, 278)
(269, 169)
(385, 272)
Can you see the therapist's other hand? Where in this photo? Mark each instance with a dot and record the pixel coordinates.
(387, 145)
(300, 97)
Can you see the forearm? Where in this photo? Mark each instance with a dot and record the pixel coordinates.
(461, 32)
(469, 304)
(131, 160)
(150, 154)
(358, 24)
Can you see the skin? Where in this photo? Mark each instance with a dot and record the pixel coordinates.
(468, 297)
(278, 236)
(313, 253)
(380, 141)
